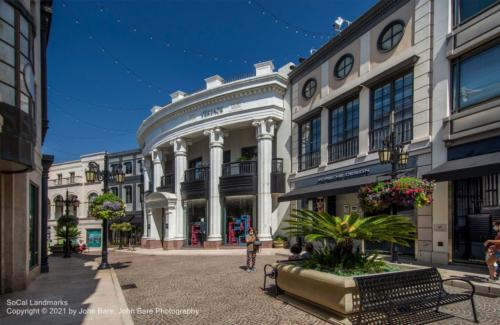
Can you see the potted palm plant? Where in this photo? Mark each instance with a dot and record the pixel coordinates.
(327, 278)
(66, 226)
(280, 241)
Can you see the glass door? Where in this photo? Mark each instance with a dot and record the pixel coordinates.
(238, 218)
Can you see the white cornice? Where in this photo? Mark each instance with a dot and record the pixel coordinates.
(237, 89)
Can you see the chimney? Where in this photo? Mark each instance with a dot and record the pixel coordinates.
(264, 68)
(214, 81)
(178, 95)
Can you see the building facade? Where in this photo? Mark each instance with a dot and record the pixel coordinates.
(24, 31)
(465, 129)
(216, 160)
(67, 179)
(343, 97)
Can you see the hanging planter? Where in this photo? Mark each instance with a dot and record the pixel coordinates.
(402, 193)
(107, 206)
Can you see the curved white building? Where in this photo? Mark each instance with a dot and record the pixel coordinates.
(215, 161)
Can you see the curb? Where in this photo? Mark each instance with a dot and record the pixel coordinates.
(126, 317)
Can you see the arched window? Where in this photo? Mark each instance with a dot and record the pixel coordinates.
(73, 208)
(59, 204)
(91, 199)
(309, 88)
(343, 66)
(391, 35)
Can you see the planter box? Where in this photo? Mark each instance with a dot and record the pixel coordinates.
(332, 292)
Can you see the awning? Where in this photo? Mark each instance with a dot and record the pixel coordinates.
(466, 168)
(157, 200)
(326, 189)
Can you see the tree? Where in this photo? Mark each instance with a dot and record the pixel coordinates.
(342, 231)
(123, 227)
(67, 230)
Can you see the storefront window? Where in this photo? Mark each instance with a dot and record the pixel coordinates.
(476, 207)
(476, 78)
(196, 214)
(239, 216)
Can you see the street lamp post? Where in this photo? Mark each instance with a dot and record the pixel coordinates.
(394, 154)
(95, 174)
(68, 202)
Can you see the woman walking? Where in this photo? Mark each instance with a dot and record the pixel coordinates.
(251, 239)
(493, 252)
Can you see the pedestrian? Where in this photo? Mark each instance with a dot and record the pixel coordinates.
(252, 248)
(309, 249)
(493, 252)
(295, 250)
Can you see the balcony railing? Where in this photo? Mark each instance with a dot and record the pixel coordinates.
(277, 165)
(240, 168)
(309, 160)
(343, 150)
(167, 184)
(196, 174)
(403, 134)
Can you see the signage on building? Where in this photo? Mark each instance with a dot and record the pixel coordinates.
(212, 111)
(344, 175)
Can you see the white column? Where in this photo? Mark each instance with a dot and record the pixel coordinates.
(325, 133)
(155, 225)
(180, 153)
(157, 156)
(265, 133)
(146, 172)
(216, 144)
(364, 122)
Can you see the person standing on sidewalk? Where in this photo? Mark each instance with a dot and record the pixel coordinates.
(250, 240)
(493, 252)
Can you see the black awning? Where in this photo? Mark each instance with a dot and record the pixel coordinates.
(466, 168)
(345, 186)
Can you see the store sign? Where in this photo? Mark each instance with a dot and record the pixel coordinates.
(212, 111)
(344, 175)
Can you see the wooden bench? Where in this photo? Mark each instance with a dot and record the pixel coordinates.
(393, 294)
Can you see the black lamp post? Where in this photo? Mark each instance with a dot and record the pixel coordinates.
(68, 202)
(394, 154)
(95, 174)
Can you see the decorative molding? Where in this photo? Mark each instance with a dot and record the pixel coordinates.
(215, 136)
(264, 128)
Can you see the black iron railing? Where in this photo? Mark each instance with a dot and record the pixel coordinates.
(277, 165)
(196, 174)
(343, 150)
(240, 168)
(309, 160)
(403, 134)
(167, 183)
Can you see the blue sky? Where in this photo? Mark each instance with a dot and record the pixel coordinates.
(110, 61)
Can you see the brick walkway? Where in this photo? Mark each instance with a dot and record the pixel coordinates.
(222, 293)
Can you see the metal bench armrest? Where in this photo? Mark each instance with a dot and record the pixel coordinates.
(463, 280)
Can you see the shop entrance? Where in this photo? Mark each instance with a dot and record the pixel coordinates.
(238, 217)
(475, 202)
(196, 214)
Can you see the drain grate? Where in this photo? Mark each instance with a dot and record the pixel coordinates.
(129, 286)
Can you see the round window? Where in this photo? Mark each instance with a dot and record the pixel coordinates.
(343, 66)
(309, 88)
(391, 36)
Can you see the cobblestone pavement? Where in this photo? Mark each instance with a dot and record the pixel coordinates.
(221, 292)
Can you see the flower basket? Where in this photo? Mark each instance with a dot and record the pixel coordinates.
(402, 193)
(107, 206)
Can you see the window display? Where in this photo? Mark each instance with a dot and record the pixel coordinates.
(196, 213)
(238, 219)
